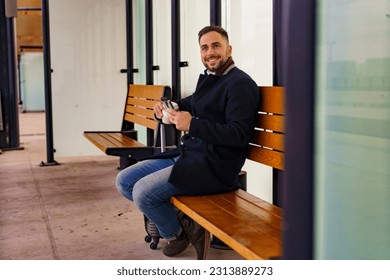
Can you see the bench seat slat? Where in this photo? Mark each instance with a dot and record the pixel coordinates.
(96, 138)
(257, 218)
(243, 231)
(233, 205)
(260, 202)
(249, 203)
(125, 142)
(107, 140)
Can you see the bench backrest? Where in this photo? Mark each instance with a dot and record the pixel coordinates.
(139, 105)
(267, 144)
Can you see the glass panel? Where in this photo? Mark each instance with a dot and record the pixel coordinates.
(194, 16)
(32, 86)
(139, 54)
(352, 130)
(249, 23)
(162, 41)
(139, 41)
(88, 49)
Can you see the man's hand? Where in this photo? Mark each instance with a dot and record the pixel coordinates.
(157, 108)
(182, 119)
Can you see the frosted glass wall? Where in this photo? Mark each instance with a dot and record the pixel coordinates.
(162, 41)
(139, 41)
(88, 49)
(249, 23)
(32, 86)
(353, 130)
(194, 15)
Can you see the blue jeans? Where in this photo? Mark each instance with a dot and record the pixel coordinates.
(146, 183)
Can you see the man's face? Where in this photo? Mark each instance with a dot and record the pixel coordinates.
(214, 50)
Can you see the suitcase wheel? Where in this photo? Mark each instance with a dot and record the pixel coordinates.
(153, 246)
(148, 239)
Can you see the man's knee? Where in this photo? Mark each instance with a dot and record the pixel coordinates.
(140, 195)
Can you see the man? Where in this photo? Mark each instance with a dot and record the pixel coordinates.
(218, 120)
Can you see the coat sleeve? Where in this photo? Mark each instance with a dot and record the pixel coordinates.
(241, 106)
(184, 103)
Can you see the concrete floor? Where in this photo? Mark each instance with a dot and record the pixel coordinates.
(70, 211)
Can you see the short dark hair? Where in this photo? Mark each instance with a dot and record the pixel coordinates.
(211, 28)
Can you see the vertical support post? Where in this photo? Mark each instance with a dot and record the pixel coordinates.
(175, 25)
(277, 175)
(129, 42)
(176, 55)
(215, 12)
(149, 41)
(129, 53)
(48, 89)
(299, 52)
(9, 131)
(149, 55)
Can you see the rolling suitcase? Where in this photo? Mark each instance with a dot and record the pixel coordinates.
(153, 236)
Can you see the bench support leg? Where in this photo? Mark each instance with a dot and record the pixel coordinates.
(126, 162)
(206, 244)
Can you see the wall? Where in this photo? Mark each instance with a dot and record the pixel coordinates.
(88, 49)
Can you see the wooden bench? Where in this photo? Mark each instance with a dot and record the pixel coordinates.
(249, 225)
(140, 100)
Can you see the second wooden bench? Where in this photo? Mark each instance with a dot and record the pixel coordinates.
(138, 109)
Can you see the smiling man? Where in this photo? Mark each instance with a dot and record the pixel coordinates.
(217, 121)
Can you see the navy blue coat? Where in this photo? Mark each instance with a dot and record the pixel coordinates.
(224, 110)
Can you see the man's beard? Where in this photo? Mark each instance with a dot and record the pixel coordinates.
(215, 68)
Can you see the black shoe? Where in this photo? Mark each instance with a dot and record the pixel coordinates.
(176, 246)
(196, 234)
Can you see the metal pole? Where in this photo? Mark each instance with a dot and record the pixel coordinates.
(215, 12)
(149, 41)
(162, 137)
(129, 41)
(11, 102)
(176, 77)
(47, 76)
